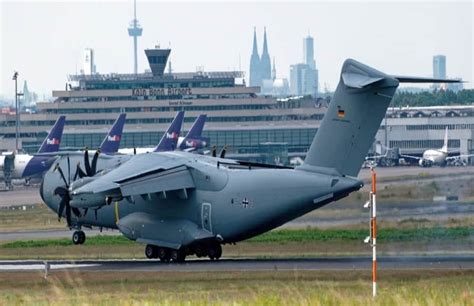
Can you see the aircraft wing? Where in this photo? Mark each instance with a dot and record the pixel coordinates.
(450, 158)
(145, 175)
(410, 156)
(157, 181)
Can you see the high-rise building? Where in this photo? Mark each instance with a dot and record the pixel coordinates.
(308, 52)
(304, 76)
(303, 80)
(439, 66)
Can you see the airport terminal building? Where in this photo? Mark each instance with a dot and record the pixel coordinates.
(253, 126)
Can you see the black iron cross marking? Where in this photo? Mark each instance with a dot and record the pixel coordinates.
(245, 203)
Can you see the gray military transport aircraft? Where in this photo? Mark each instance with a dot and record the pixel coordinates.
(180, 204)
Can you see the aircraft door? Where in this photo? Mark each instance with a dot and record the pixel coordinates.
(206, 217)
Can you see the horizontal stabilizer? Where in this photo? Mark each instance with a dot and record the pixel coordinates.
(355, 80)
(408, 79)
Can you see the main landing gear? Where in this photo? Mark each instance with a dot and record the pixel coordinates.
(212, 250)
(78, 237)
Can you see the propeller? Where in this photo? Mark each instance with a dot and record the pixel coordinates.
(63, 191)
(91, 169)
(214, 151)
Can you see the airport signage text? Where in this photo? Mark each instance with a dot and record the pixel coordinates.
(161, 91)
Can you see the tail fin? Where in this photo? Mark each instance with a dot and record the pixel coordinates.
(198, 126)
(352, 119)
(196, 130)
(170, 138)
(444, 149)
(53, 140)
(111, 142)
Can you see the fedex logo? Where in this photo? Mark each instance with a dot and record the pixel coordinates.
(53, 141)
(113, 138)
(172, 135)
(195, 143)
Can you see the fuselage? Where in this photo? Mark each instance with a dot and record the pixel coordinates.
(183, 144)
(433, 157)
(25, 166)
(235, 204)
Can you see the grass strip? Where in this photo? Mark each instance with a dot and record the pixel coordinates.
(387, 235)
(285, 236)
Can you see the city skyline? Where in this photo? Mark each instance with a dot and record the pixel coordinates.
(215, 36)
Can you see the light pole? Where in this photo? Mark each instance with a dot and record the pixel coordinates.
(17, 112)
(15, 78)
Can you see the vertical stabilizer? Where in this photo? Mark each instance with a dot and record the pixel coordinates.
(111, 142)
(444, 149)
(170, 139)
(352, 120)
(196, 130)
(53, 140)
(198, 126)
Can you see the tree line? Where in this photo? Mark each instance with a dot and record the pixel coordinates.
(433, 98)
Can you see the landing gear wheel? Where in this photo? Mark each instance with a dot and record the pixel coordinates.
(178, 255)
(163, 254)
(215, 251)
(83, 237)
(78, 237)
(200, 251)
(151, 251)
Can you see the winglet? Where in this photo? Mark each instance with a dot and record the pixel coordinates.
(111, 142)
(53, 140)
(170, 138)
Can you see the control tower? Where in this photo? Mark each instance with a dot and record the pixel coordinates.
(135, 30)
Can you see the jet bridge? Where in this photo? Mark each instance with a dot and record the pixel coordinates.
(7, 165)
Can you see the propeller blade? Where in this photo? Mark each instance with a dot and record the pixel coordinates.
(61, 207)
(224, 150)
(76, 211)
(61, 191)
(62, 174)
(134, 151)
(68, 214)
(94, 162)
(87, 163)
(214, 151)
(79, 172)
(68, 171)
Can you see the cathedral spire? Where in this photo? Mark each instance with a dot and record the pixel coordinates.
(255, 76)
(265, 62)
(255, 49)
(265, 46)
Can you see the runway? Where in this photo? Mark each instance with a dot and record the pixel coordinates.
(458, 262)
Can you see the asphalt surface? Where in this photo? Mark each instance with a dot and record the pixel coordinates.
(249, 264)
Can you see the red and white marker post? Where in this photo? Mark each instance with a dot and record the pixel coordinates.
(372, 238)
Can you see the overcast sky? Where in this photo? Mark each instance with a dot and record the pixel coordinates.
(44, 41)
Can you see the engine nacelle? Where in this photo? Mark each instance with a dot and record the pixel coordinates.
(425, 163)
